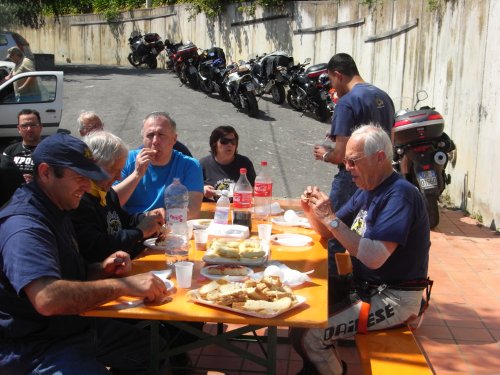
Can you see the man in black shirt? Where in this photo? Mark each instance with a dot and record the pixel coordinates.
(30, 128)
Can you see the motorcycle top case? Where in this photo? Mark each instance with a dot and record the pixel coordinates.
(315, 71)
(187, 49)
(418, 126)
(151, 37)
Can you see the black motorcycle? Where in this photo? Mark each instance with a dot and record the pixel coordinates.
(422, 151)
(144, 49)
(241, 89)
(305, 91)
(212, 72)
(186, 64)
(269, 72)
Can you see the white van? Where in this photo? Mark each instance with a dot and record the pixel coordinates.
(48, 103)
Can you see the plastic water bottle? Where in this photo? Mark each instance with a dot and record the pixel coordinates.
(263, 193)
(242, 201)
(222, 208)
(177, 239)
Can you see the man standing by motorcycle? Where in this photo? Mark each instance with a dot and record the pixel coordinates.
(359, 103)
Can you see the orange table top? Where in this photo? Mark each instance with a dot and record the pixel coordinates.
(313, 313)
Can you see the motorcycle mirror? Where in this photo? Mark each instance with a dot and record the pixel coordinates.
(421, 95)
(307, 61)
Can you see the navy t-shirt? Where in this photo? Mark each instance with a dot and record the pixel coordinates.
(394, 212)
(36, 240)
(365, 103)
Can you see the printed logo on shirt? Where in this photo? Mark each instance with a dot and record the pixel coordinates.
(359, 223)
(24, 163)
(379, 102)
(114, 223)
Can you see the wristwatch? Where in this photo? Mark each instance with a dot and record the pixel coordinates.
(335, 223)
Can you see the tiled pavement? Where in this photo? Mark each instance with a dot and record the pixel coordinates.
(461, 328)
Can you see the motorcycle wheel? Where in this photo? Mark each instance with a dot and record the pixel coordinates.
(223, 93)
(278, 93)
(235, 98)
(193, 80)
(431, 203)
(291, 98)
(206, 86)
(152, 63)
(182, 75)
(251, 105)
(132, 60)
(321, 112)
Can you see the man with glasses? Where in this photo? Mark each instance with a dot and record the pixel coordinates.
(153, 166)
(360, 103)
(30, 128)
(385, 229)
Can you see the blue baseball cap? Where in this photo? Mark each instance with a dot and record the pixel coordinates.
(66, 151)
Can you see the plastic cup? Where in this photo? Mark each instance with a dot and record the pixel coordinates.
(184, 274)
(265, 232)
(200, 239)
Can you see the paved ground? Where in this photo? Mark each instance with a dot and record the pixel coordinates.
(461, 328)
(123, 96)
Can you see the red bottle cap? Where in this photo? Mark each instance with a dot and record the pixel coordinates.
(243, 171)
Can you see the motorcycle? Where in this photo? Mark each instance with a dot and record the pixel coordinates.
(306, 92)
(422, 151)
(241, 89)
(187, 63)
(171, 51)
(144, 49)
(212, 72)
(269, 73)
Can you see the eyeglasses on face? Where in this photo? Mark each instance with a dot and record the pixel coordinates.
(225, 141)
(351, 163)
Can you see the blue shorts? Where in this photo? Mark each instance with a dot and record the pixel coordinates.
(342, 188)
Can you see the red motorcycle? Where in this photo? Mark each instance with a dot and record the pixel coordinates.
(421, 153)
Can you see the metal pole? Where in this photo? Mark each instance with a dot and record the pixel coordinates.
(149, 3)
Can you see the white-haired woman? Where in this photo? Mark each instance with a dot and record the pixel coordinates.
(101, 225)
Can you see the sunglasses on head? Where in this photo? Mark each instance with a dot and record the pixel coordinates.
(225, 141)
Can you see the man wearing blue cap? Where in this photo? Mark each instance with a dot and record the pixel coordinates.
(45, 284)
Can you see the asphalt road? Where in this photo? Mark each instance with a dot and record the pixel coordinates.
(123, 96)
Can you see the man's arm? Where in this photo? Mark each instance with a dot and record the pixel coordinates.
(336, 155)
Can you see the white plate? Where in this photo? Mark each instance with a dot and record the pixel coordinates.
(150, 242)
(300, 301)
(274, 211)
(291, 239)
(280, 220)
(204, 272)
(163, 274)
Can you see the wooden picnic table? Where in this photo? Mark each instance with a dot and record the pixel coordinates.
(313, 313)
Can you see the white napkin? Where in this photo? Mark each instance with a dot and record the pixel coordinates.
(287, 275)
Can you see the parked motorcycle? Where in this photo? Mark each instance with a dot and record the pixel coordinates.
(171, 51)
(241, 89)
(187, 63)
(144, 49)
(305, 92)
(212, 72)
(422, 151)
(269, 73)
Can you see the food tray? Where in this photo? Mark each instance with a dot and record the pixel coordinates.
(204, 273)
(211, 258)
(300, 301)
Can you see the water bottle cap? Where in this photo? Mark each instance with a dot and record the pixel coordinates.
(263, 163)
(225, 192)
(243, 171)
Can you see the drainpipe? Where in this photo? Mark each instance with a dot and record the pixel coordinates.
(149, 3)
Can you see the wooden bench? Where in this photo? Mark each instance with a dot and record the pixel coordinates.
(392, 351)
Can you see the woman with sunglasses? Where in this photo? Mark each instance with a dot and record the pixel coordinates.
(221, 169)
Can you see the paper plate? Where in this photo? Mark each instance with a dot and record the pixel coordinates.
(163, 274)
(150, 243)
(302, 222)
(300, 301)
(291, 239)
(204, 273)
(200, 223)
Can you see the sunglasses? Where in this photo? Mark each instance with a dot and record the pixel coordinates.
(351, 163)
(225, 141)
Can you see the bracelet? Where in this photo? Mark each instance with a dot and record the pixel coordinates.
(325, 156)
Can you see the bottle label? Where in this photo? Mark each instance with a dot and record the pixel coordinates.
(242, 200)
(176, 215)
(221, 215)
(262, 189)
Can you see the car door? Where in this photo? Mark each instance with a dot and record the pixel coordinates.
(47, 99)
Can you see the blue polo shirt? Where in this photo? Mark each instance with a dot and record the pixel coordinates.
(36, 240)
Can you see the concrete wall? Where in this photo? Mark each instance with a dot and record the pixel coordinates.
(452, 53)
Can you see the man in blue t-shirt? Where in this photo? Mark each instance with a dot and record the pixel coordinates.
(153, 167)
(45, 284)
(360, 103)
(385, 228)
